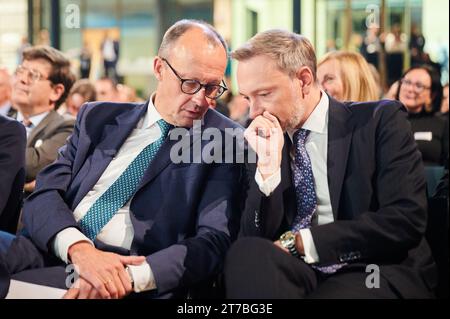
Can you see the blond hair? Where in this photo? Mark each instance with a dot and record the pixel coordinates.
(357, 78)
(291, 51)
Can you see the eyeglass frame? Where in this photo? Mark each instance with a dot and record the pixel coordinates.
(200, 85)
(32, 79)
(418, 89)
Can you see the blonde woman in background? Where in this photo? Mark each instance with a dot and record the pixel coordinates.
(346, 76)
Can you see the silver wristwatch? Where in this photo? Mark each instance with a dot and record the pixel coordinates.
(287, 240)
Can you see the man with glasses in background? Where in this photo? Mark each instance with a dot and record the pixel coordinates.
(40, 85)
(114, 203)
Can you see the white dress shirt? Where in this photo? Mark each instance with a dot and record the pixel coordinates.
(317, 148)
(4, 108)
(119, 230)
(35, 120)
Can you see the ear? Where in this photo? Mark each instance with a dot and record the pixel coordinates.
(306, 79)
(57, 92)
(157, 68)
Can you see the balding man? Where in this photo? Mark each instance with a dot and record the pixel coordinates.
(117, 206)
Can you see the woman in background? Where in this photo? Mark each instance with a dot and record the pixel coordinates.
(346, 76)
(419, 89)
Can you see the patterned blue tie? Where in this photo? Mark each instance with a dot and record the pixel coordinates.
(120, 192)
(305, 191)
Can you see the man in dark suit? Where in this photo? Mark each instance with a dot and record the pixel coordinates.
(12, 172)
(41, 84)
(117, 204)
(337, 197)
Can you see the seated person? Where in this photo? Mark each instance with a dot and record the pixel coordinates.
(41, 84)
(419, 89)
(337, 204)
(118, 207)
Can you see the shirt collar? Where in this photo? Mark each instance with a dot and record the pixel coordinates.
(35, 119)
(152, 116)
(318, 120)
(4, 108)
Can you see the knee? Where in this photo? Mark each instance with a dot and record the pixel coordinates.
(5, 241)
(247, 252)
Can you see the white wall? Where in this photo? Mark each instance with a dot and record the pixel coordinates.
(435, 28)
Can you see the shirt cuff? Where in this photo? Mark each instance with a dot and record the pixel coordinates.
(311, 255)
(66, 238)
(268, 185)
(143, 277)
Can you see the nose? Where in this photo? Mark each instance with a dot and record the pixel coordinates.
(200, 98)
(21, 78)
(255, 110)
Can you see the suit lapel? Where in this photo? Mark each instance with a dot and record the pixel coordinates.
(113, 136)
(162, 158)
(340, 131)
(40, 128)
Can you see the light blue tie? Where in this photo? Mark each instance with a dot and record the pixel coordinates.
(120, 192)
(305, 191)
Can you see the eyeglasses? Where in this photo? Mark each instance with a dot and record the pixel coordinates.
(190, 86)
(418, 87)
(31, 75)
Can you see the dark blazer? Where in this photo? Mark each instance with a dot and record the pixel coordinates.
(12, 172)
(45, 140)
(377, 190)
(184, 215)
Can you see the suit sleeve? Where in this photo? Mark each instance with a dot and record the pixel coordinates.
(399, 223)
(12, 148)
(201, 256)
(45, 212)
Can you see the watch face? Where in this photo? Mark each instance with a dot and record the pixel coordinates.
(287, 239)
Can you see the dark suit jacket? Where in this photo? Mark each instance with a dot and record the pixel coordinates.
(377, 190)
(12, 172)
(45, 140)
(184, 215)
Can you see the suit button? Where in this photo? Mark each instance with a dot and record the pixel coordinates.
(256, 219)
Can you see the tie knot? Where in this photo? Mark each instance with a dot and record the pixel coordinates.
(26, 122)
(300, 136)
(165, 127)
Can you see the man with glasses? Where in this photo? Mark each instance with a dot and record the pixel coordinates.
(40, 85)
(116, 206)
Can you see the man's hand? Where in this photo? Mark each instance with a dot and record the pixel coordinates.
(82, 289)
(103, 270)
(265, 137)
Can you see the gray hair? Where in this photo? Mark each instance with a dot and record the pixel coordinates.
(181, 27)
(291, 51)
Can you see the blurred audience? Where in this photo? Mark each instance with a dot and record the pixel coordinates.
(416, 45)
(419, 88)
(5, 93)
(371, 46)
(85, 61)
(444, 103)
(41, 84)
(346, 76)
(392, 91)
(82, 91)
(239, 110)
(395, 44)
(127, 94)
(110, 49)
(106, 90)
